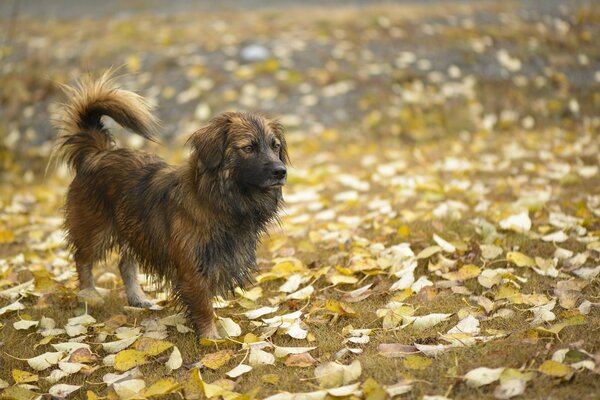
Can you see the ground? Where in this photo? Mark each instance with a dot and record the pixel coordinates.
(440, 235)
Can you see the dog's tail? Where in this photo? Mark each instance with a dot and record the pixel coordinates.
(81, 131)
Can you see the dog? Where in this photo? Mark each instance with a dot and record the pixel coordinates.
(194, 226)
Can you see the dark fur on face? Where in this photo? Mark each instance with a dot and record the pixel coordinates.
(193, 226)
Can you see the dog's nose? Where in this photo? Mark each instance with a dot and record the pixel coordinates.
(279, 172)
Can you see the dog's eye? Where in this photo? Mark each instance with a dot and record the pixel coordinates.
(248, 149)
(276, 145)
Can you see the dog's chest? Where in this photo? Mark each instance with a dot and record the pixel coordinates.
(227, 258)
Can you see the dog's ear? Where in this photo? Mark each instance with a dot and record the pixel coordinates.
(278, 130)
(209, 141)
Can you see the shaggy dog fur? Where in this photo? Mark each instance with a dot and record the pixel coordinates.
(194, 226)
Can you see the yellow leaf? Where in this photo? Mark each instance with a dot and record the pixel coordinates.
(273, 379)
(428, 252)
(403, 232)
(287, 266)
(373, 390)
(23, 376)
(300, 360)
(339, 308)
(19, 393)
(253, 294)
(91, 395)
(510, 293)
(151, 346)
(161, 387)
(344, 271)
(193, 389)
(556, 369)
(337, 279)
(556, 328)
(416, 362)
(127, 359)
(468, 271)
(403, 295)
(251, 338)
(217, 360)
(134, 63)
(6, 237)
(520, 259)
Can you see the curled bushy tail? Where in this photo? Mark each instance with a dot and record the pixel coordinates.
(81, 132)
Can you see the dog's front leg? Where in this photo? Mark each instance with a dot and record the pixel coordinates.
(197, 296)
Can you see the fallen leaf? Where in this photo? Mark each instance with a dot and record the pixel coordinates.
(482, 376)
(63, 390)
(556, 369)
(127, 359)
(175, 360)
(301, 360)
(151, 346)
(216, 360)
(416, 362)
(332, 374)
(520, 259)
(519, 222)
(260, 357)
(284, 351)
(24, 324)
(23, 376)
(394, 350)
(161, 387)
(129, 388)
(44, 361)
(425, 321)
(239, 370)
(117, 346)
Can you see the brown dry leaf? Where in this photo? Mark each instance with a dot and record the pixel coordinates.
(465, 272)
(300, 360)
(83, 355)
(395, 350)
(216, 360)
(569, 292)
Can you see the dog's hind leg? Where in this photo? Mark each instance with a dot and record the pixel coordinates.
(129, 273)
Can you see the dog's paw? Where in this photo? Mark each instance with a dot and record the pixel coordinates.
(91, 297)
(211, 333)
(141, 302)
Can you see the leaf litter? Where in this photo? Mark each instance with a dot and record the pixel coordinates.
(434, 211)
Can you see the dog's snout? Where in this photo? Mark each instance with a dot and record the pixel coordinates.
(279, 171)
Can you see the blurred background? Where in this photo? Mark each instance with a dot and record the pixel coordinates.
(406, 71)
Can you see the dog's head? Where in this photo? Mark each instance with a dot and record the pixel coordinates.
(248, 148)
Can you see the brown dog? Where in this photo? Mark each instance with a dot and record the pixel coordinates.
(194, 226)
